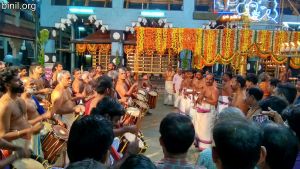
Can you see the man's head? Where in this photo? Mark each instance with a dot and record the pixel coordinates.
(251, 80)
(170, 67)
(110, 66)
(109, 108)
(105, 85)
(253, 96)
(86, 77)
(238, 82)
(275, 103)
(38, 69)
(137, 162)
(229, 113)
(179, 71)
(264, 77)
(58, 67)
(90, 138)
(29, 85)
(10, 81)
(128, 73)
(292, 115)
(64, 78)
(23, 71)
(199, 75)
(273, 84)
(227, 76)
(98, 69)
(145, 77)
(209, 79)
(281, 145)
(177, 134)
(122, 74)
(237, 144)
(287, 92)
(77, 74)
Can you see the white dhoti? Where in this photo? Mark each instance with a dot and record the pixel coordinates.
(185, 104)
(203, 123)
(68, 119)
(25, 163)
(168, 93)
(176, 99)
(223, 102)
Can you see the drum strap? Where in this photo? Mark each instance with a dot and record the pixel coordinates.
(114, 154)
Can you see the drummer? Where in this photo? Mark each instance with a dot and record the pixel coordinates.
(146, 84)
(123, 91)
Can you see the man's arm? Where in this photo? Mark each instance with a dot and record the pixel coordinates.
(5, 114)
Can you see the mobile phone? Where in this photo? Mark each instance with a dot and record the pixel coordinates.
(261, 118)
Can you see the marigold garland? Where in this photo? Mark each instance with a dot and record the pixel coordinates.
(246, 39)
(80, 48)
(227, 45)
(92, 48)
(264, 41)
(210, 47)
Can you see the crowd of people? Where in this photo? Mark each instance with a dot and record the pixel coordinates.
(246, 122)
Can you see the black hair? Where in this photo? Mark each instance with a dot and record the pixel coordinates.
(22, 67)
(177, 133)
(104, 82)
(292, 115)
(241, 80)
(55, 65)
(238, 143)
(98, 65)
(75, 70)
(288, 90)
(108, 107)
(229, 74)
(275, 103)
(138, 162)
(281, 145)
(251, 77)
(256, 93)
(274, 82)
(6, 75)
(90, 137)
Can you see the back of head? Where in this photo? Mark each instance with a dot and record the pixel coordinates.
(274, 82)
(108, 107)
(230, 113)
(177, 133)
(138, 162)
(256, 93)
(274, 102)
(237, 144)
(292, 115)
(241, 81)
(90, 137)
(264, 77)
(104, 83)
(251, 77)
(281, 145)
(288, 91)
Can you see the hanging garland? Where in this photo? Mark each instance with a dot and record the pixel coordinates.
(280, 37)
(227, 45)
(92, 48)
(104, 48)
(198, 49)
(264, 43)
(80, 48)
(140, 39)
(164, 40)
(158, 40)
(149, 39)
(295, 61)
(210, 47)
(190, 38)
(245, 40)
(175, 38)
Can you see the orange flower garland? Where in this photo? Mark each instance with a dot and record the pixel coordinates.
(280, 37)
(245, 39)
(190, 38)
(295, 61)
(80, 48)
(92, 48)
(227, 45)
(198, 49)
(210, 47)
(264, 42)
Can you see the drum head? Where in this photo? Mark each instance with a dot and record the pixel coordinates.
(131, 137)
(153, 93)
(141, 97)
(60, 132)
(133, 111)
(142, 92)
(142, 104)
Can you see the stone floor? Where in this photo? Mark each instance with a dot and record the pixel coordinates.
(150, 129)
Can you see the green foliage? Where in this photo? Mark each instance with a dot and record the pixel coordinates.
(42, 40)
(117, 58)
(185, 61)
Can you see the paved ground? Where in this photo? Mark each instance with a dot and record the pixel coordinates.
(150, 129)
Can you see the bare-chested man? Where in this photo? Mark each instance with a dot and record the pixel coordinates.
(226, 91)
(61, 99)
(14, 125)
(32, 113)
(177, 80)
(57, 68)
(198, 82)
(88, 91)
(23, 72)
(104, 88)
(168, 75)
(37, 72)
(98, 72)
(238, 86)
(146, 84)
(77, 85)
(128, 80)
(185, 90)
(203, 119)
(121, 87)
